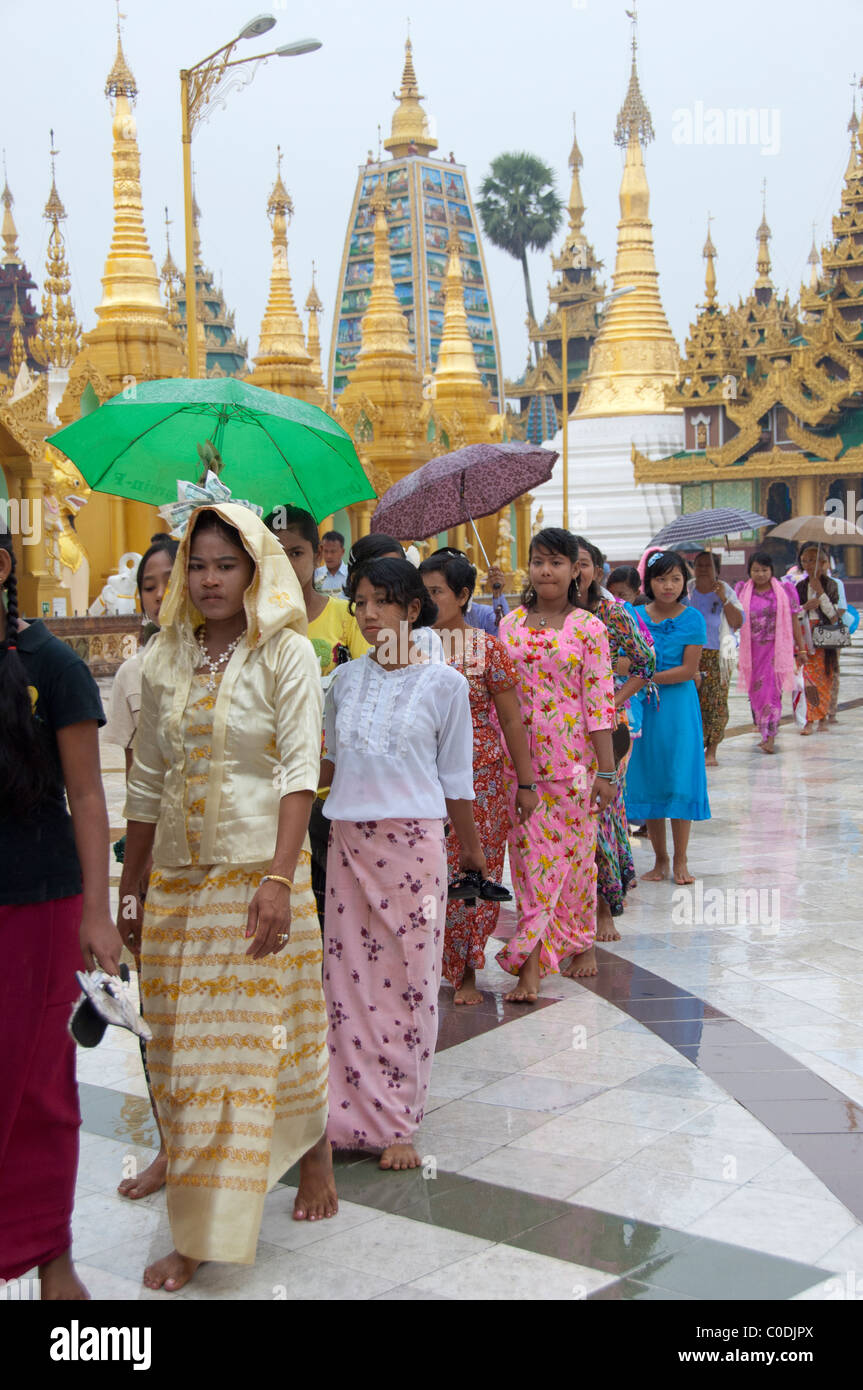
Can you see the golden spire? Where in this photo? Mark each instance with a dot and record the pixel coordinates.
(709, 254)
(633, 118)
(635, 356)
(763, 235)
(58, 337)
(10, 231)
(281, 329)
(384, 326)
(17, 351)
(130, 281)
(853, 127)
(813, 260)
(576, 198)
(410, 131)
(455, 360)
(313, 337)
(171, 278)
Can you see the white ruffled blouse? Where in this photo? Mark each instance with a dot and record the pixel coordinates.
(401, 741)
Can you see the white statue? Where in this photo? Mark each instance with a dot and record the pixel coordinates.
(121, 590)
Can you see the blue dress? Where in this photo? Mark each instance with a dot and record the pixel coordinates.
(666, 775)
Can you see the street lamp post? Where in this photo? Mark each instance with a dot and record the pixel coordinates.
(564, 403)
(207, 82)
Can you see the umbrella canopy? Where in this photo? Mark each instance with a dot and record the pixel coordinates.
(275, 450)
(455, 488)
(711, 521)
(820, 530)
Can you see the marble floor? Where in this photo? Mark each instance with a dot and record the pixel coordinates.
(687, 1126)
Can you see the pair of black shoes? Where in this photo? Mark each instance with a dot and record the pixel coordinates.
(471, 885)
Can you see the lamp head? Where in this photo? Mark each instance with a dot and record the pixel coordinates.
(299, 46)
(261, 24)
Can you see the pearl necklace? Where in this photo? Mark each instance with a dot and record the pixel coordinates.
(210, 662)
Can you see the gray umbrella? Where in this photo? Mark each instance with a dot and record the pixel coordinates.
(704, 525)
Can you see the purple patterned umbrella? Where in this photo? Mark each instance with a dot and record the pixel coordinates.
(455, 488)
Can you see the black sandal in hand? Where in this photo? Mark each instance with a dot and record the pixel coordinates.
(471, 885)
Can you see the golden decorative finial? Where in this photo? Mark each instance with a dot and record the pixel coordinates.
(280, 198)
(313, 302)
(10, 231)
(813, 260)
(763, 235)
(380, 155)
(121, 80)
(313, 334)
(58, 337)
(633, 118)
(410, 132)
(709, 254)
(17, 351)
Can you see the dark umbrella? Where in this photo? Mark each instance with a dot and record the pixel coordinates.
(455, 488)
(704, 525)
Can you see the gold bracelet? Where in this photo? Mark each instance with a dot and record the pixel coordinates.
(277, 878)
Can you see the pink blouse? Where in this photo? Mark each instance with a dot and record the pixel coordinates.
(565, 689)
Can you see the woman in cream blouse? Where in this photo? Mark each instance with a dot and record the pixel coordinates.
(225, 768)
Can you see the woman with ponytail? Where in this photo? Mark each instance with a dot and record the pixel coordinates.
(53, 910)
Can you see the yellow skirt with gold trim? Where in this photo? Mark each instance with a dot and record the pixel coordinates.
(239, 1055)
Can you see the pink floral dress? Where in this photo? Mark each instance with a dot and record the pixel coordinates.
(566, 692)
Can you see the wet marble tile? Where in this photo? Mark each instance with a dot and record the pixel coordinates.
(512, 1274)
(593, 1139)
(397, 1250)
(530, 1170)
(798, 1228)
(646, 1194)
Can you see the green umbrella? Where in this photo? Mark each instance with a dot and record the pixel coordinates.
(275, 450)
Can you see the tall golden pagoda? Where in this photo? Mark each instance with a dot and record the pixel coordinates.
(635, 356)
(314, 308)
(574, 297)
(382, 406)
(133, 339)
(171, 279)
(283, 362)
(17, 350)
(58, 340)
(841, 281)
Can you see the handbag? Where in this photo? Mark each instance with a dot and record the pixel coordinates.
(620, 743)
(831, 635)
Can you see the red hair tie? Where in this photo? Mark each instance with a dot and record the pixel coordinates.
(11, 646)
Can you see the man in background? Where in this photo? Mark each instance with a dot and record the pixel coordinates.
(331, 575)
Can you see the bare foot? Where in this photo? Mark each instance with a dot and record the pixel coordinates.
(582, 965)
(59, 1281)
(171, 1273)
(658, 874)
(811, 728)
(710, 759)
(399, 1156)
(149, 1181)
(467, 992)
(767, 746)
(681, 872)
(316, 1195)
(527, 989)
(605, 928)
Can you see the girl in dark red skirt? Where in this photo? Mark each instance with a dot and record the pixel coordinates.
(53, 909)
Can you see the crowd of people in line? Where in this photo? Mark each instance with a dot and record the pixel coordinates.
(328, 761)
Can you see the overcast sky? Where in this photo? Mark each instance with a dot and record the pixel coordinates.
(498, 75)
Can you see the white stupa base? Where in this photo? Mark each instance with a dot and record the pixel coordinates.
(605, 505)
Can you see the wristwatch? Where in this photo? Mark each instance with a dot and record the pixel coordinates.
(527, 786)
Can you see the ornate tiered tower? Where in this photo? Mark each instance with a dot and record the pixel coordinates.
(218, 345)
(15, 286)
(632, 361)
(783, 433)
(58, 340)
(763, 324)
(382, 405)
(575, 297)
(712, 371)
(283, 362)
(314, 308)
(427, 196)
(133, 339)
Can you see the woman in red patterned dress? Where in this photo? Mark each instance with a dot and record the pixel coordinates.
(449, 579)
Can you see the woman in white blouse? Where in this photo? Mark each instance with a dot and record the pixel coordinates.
(399, 754)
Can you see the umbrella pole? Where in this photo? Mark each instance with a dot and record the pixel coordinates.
(479, 541)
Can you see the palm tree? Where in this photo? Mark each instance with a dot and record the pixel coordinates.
(519, 208)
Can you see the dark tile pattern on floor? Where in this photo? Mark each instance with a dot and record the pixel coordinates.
(814, 1120)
